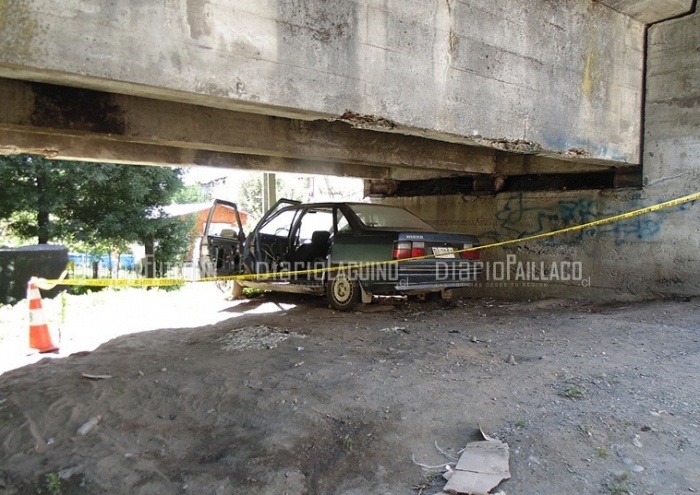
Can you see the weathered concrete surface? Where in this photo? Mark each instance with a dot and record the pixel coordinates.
(71, 123)
(563, 77)
(672, 134)
(79, 113)
(650, 11)
(652, 255)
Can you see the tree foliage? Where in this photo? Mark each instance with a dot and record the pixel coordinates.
(193, 193)
(175, 238)
(93, 204)
(250, 195)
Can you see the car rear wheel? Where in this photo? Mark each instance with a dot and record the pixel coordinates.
(343, 292)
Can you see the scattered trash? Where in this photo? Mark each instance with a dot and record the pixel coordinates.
(511, 360)
(637, 442)
(636, 468)
(395, 329)
(96, 377)
(482, 466)
(66, 473)
(89, 425)
(474, 339)
(445, 453)
(439, 467)
(255, 337)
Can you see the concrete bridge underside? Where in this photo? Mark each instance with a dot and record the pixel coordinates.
(441, 104)
(378, 89)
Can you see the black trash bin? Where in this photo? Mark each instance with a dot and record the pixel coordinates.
(18, 265)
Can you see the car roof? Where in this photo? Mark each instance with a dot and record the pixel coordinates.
(347, 203)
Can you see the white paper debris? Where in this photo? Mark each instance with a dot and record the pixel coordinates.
(482, 466)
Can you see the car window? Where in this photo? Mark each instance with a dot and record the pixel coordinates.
(313, 220)
(222, 220)
(388, 217)
(280, 224)
(343, 224)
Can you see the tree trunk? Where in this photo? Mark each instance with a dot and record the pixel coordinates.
(42, 216)
(42, 219)
(150, 262)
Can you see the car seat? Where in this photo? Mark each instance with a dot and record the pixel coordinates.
(316, 250)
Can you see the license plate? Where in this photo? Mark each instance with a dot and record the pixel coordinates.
(444, 252)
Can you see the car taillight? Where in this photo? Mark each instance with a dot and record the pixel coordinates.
(470, 255)
(402, 250)
(418, 249)
(406, 249)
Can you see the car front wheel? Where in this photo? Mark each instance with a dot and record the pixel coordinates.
(343, 292)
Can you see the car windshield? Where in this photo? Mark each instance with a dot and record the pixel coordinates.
(388, 217)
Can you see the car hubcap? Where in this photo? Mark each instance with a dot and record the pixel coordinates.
(342, 288)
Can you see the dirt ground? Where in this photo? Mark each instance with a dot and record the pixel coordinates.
(281, 395)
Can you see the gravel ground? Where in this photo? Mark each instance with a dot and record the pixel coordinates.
(282, 395)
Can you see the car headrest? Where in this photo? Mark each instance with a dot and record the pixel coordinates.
(320, 237)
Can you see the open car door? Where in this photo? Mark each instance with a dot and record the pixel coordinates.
(222, 241)
(265, 248)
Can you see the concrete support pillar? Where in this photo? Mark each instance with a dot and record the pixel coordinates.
(269, 191)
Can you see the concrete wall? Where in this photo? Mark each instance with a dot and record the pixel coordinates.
(564, 75)
(653, 255)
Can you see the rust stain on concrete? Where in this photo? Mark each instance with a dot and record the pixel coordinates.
(76, 109)
(366, 121)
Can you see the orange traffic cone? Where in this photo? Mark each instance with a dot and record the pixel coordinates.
(39, 337)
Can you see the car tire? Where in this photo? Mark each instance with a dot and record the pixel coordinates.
(343, 292)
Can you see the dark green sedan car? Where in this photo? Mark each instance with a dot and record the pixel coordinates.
(347, 251)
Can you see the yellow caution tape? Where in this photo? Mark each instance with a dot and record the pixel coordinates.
(44, 284)
(119, 282)
(163, 282)
(595, 223)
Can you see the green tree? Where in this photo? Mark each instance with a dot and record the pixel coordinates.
(194, 193)
(95, 204)
(250, 197)
(250, 193)
(170, 234)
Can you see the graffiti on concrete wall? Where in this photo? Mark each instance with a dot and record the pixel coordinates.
(519, 217)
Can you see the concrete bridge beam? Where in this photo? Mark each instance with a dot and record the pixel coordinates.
(564, 77)
(92, 125)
